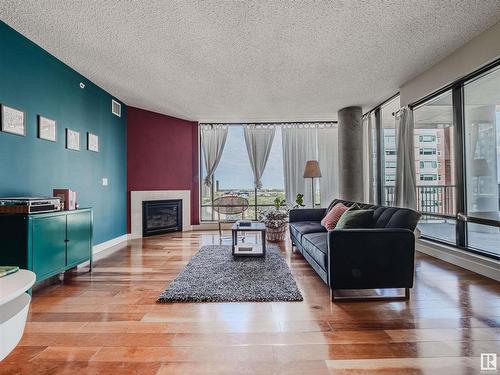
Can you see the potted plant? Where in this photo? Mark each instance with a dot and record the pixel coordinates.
(275, 220)
(299, 200)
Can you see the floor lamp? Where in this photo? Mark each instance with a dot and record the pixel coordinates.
(312, 171)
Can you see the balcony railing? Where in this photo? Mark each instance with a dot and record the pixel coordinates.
(258, 200)
(436, 200)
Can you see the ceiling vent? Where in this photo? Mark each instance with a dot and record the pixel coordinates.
(116, 108)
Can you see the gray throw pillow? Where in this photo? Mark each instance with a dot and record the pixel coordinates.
(352, 219)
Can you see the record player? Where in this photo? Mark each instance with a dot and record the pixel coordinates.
(29, 205)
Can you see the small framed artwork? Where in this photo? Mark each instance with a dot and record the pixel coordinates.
(47, 129)
(92, 142)
(72, 140)
(13, 121)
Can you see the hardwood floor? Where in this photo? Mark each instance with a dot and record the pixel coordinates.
(108, 322)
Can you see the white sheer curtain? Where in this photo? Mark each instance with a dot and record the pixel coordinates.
(299, 145)
(328, 162)
(259, 141)
(369, 158)
(310, 141)
(213, 140)
(405, 194)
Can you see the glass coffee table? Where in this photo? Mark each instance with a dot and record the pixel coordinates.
(245, 249)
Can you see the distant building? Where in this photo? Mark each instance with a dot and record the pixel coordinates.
(433, 166)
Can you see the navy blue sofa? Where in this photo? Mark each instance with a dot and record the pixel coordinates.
(381, 256)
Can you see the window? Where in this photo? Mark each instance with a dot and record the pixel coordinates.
(234, 176)
(436, 191)
(483, 238)
(388, 137)
(428, 177)
(427, 151)
(390, 141)
(482, 159)
(443, 166)
(428, 164)
(427, 138)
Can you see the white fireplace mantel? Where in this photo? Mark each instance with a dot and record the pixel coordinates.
(137, 197)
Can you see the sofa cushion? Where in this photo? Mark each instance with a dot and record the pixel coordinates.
(404, 218)
(316, 245)
(332, 217)
(299, 228)
(387, 217)
(356, 218)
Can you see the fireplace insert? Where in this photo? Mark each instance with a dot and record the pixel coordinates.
(161, 216)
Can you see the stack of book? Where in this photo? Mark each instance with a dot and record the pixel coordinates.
(7, 270)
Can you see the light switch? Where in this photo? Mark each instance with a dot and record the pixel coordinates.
(105, 181)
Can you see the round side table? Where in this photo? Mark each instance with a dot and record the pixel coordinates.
(14, 307)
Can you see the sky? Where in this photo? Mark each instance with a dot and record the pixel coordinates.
(234, 171)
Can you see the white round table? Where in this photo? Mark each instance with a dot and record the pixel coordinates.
(14, 307)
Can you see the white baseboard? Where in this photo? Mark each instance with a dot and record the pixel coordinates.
(99, 249)
(106, 245)
(473, 262)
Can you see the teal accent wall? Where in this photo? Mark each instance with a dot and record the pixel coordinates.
(36, 82)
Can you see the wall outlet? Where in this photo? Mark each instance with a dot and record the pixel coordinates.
(105, 181)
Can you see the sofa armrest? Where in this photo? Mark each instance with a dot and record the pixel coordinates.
(371, 258)
(307, 214)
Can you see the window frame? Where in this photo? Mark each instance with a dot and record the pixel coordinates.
(458, 109)
(252, 207)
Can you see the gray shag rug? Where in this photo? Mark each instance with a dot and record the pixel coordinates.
(214, 275)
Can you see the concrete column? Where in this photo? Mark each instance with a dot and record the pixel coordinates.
(350, 136)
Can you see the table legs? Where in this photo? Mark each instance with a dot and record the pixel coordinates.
(263, 233)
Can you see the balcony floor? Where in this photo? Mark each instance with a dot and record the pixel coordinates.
(488, 239)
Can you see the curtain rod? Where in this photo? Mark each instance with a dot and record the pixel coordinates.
(381, 104)
(399, 110)
(269, 123)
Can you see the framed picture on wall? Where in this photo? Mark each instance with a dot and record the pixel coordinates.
(47, 129)
(72, 140)
(92, 142)
(12, 120)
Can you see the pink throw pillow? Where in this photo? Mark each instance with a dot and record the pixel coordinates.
(333, 216)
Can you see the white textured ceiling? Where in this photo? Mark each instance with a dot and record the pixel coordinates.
(250, 60)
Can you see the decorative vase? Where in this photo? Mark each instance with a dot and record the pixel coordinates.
(275, 234)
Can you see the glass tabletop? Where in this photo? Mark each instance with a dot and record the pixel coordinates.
(254, 226)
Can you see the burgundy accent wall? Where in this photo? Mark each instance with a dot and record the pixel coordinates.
(162, 154)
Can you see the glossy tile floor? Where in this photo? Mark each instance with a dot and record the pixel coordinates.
(108, 322)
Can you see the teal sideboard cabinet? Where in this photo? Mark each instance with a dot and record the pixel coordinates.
(47, 243)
